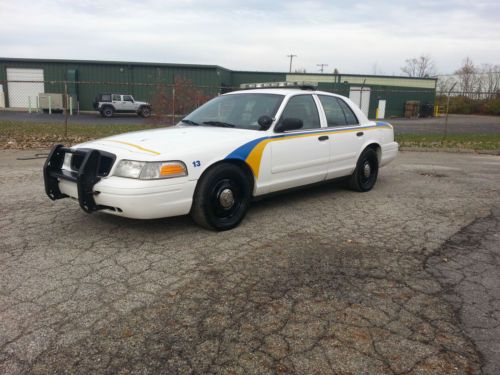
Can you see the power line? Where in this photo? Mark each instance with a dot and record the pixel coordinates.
(322, 66)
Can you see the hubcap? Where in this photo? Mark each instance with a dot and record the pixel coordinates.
(367, 170)
(226, 198)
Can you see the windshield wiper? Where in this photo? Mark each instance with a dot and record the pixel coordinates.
(219, 123)
(190, 122)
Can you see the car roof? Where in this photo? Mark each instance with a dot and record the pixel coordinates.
(281, 91)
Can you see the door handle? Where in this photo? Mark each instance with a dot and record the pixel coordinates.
(360, 134)
(323, 138)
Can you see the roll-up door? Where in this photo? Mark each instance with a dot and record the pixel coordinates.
(24, 85)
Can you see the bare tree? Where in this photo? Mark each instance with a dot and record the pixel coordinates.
(467, 76)
(422, 66)
(490, 80)
(444, 84)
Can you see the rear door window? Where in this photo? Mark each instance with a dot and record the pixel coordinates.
(349, 114)
(335, 115)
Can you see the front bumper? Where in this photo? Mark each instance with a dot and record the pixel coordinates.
(138, 199)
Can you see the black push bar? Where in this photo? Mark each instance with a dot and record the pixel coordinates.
(85, 178)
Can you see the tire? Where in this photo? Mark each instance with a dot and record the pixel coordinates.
(145, 112)
(365, 175)
(221, 198)
(107, 111)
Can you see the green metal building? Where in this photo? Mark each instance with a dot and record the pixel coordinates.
(84, 79)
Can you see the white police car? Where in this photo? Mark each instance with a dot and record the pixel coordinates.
(237, 146)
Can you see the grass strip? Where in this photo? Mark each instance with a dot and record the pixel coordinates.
(26, 134)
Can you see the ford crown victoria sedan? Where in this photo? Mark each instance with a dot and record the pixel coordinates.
(238, 146)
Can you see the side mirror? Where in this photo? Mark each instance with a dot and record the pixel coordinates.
(265, 122)
(289, 123)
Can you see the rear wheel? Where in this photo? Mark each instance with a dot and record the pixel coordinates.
(365, 175)
(107, 112)
(145, 112)
(221, 198)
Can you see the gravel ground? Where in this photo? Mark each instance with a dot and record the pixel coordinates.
(458, 124)
(321, 281)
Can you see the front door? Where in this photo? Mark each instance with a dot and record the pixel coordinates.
(117, 102)
(128, 103)
(301, 156)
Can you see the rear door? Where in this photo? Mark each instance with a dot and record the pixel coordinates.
(301, 156)
(346, 139)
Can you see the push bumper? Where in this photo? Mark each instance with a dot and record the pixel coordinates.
(84, 179)
(120, 196)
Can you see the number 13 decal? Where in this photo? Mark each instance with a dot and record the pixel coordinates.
(196, 163)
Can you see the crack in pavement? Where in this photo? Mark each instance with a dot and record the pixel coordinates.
(320, 281)
(467, 266)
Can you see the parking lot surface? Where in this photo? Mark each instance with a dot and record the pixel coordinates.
(457, 124)
(320, 281)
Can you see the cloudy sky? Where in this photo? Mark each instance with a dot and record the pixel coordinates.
(354, 37)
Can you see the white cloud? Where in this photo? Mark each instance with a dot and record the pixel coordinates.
(255, 34)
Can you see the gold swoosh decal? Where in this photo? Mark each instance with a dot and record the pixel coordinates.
(133, 145)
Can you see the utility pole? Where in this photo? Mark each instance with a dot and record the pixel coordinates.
(291, 56)
(447, 108)
(322, 67)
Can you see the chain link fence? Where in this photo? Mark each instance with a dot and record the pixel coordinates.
(169, 102)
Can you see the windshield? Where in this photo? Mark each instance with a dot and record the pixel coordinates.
(235, 111)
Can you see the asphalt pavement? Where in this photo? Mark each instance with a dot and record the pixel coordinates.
(457, 124)
(320, 281)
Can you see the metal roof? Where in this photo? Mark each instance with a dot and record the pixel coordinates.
(200, 66)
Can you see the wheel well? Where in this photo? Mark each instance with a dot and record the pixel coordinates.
(107, 106)
(240, 164)
(376, 147)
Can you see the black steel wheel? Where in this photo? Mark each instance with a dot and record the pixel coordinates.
(222, 197)
(107, 111)
(365, 175)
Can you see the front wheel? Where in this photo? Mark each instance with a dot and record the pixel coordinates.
(365, 175)
(221, 198)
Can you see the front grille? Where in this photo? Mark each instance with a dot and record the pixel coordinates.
(106, 162)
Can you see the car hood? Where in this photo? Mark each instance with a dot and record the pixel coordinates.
(173, 141)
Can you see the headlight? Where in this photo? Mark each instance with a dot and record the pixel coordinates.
(146, 170)
(67, 161)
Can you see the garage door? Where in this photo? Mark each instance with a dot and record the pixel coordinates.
(361, 96)
(20, 93)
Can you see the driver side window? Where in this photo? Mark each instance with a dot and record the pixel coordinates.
(303, 107)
